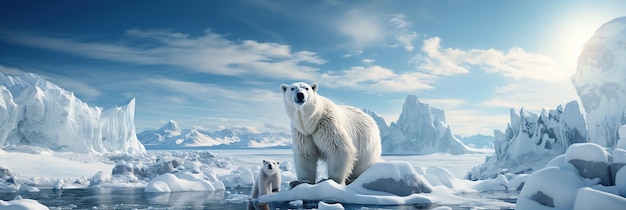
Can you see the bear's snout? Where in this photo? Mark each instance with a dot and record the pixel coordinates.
(300, 96)
(269, 167)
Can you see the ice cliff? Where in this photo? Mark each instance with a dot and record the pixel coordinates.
(171, 135)
(420, 129)
(36, 112)
(600, 81)
(531, 140)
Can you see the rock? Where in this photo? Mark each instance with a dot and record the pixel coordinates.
(400, 179)
(592, 170)
(543, 199)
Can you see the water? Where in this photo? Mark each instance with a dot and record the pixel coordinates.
(135, 198)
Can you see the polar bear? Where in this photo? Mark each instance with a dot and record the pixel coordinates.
(346, 138)
(268, 180)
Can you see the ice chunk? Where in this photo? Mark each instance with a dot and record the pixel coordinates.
(548, 187)
(588, 198)
(326, 206)
(20, 204)
(620, 181)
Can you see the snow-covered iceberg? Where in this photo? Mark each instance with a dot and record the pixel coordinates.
(531, 140)
(420, 129)
(600, 84)
(37, 112)
(171, 135)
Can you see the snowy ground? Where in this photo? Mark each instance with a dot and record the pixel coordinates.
(42, 169)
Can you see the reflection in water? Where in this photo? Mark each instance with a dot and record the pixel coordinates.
(126, 198)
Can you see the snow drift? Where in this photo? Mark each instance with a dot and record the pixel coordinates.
(36, 112)
(531, 140)
(599, 81)
(420, 129)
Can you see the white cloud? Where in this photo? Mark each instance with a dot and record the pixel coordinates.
(352, 53)
(533, 95)
(361, 27)
(10, 71)
(368, 61)
(515, 63)
(402, 33)
(377, 79)
(210, 53)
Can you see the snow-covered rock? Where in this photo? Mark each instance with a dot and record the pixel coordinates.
(565, 184)
(531, 140)
(591, 160)
(420, 129)
(22, 204)
(36, 112)
(171, 135)
(402, 181)
(600, 84)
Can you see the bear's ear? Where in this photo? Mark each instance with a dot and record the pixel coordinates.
(277, 163)
(284, 87)
(263, 161)
(314, 86)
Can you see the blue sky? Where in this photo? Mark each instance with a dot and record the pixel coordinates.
(219, 64)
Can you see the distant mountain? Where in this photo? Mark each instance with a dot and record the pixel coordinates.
(171, 136)
(531, 140)
(420, 129)
(477, 141)
(36, 112)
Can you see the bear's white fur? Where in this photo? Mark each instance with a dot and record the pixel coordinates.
(268, 180)
(346, 138)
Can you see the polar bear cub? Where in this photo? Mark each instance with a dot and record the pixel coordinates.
(346, 138)
(268, 180)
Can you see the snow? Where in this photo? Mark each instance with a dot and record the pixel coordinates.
(21, 204)
(171, 136)
(599, 81)
(587, 151)
(588, 198)
(186, 180)
(36, 112)
(579, 179)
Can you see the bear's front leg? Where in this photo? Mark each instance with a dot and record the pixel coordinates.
(339, 166)
(305, 155)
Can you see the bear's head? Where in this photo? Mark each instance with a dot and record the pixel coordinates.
(270, 167)
(298, 93)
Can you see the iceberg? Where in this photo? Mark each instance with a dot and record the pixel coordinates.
(531, 140)
(420, 129)
(39, 113)
(599, 81)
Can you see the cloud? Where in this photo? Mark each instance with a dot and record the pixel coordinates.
(377, 79)
(361, 27)
(10, 71)
(402, 33)
(210, 53)
(516, 63)
(533, 95)
(352, 53)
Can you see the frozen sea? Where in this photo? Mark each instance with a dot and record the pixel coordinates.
(135, 198)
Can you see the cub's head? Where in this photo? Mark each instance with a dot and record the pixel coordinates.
(298, 93)
(270, 167)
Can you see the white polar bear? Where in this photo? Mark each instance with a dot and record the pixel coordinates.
(268, 180)
(346, 138)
